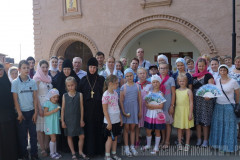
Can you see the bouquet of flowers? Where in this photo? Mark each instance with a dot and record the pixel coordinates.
(209, 90)
(154, 98)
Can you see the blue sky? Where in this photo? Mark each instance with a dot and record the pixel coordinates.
(16, 28)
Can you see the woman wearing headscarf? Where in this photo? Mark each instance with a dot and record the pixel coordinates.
(223, 134)
(53, 70)
(203, 107)
(43, 81)
(91, 87)
(12, 73)
(67, 71)
(182, 69)
(8, 130)
(111, 69)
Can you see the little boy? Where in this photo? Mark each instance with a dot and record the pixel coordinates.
(153, 69)
(24, 92)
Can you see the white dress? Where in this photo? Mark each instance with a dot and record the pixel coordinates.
(43, 89)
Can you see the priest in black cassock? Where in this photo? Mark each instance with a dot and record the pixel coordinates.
(91, 86)
(8, 129)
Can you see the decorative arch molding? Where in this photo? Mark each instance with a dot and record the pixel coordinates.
(62, 42)
(202, 42)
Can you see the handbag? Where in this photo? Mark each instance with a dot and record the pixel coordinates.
(236, 106)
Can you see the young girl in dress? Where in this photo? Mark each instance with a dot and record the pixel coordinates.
(183, 118)
(155, 118)
(167, 87)
(145, 87)
(131, 105)
(112, 116)
(52, 124)
(72, 117)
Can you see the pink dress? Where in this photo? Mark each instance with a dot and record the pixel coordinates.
(144, 92)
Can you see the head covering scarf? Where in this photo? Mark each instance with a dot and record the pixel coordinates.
(163, 57)
(223, 66)
(9, 72)
(156, 78)
(200, 74)
(92, 62)
(51, 67)
(108, 70)
(183, 61)
(60, 85)
(51, 93)
(7, 111)
(128, 70)
(40, 76)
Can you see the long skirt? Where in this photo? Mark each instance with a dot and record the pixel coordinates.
(223, 133)
(8, 140)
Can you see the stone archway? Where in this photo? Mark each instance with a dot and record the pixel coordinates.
(198, 38)
(62, 42)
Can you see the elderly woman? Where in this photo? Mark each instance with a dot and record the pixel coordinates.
(91, 86)
(223, 134)
(203, 107)
(8, 138)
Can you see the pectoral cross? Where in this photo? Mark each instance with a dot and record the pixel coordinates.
(92, 93)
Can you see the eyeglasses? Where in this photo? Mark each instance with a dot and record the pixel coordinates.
(140, 51)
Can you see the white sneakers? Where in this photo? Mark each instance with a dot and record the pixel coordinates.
(131, 152)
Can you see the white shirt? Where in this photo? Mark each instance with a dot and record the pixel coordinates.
(81, 74)
(228, 88)
(113, 109)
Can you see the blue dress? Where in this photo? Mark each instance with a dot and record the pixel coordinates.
(130, 103)
(52, 122)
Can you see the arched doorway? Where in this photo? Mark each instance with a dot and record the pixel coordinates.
(78, 49)
(74, 44)
(159, 41)
(163, 22)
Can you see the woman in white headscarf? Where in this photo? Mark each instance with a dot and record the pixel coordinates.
(53, 70)
(12, 73)
(111, 69)
(182, 69)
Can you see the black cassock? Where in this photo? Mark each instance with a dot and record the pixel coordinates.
(93, 114)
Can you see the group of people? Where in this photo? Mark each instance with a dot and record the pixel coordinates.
(64, 108)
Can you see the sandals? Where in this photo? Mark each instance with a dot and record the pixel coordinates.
(107, 158)
(44, 153)
(74, 157)
(54, 156)
(83, 156)
(115, 157)
(166, 145)
(187, 147)
(179, 147)
(155, 151)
